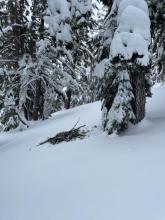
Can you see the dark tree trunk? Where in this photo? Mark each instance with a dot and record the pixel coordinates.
(38, 96)
(138, 105)
(68, 99)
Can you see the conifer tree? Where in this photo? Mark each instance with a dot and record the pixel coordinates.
(47, 53)
(12, 35)
(157, 14)
(9, 117)
(126, 58)
(69, 30)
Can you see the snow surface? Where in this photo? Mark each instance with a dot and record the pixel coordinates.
(98, 178)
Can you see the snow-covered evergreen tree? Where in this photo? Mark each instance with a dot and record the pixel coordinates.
(70, 29)
(119, 93)
(125, 61)
(157, 14)
(12, 34)
(49, 52)
(8, 114)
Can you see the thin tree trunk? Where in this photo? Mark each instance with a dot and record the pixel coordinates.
(68, 99)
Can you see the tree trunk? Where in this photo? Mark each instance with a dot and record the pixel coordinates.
(68, 99)
(138, 104)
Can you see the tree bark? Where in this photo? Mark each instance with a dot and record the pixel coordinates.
(68, 99)
(138, 104)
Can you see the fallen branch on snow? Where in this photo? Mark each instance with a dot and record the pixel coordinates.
(67, 136)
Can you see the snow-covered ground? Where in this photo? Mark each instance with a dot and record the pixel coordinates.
(99, 178)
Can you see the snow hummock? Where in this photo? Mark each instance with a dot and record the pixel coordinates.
(100, 177)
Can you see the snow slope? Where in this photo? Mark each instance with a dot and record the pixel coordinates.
(98, 178)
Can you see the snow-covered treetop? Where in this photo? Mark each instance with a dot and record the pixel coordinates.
(62, 12)
(140, 4)
(132, 35)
